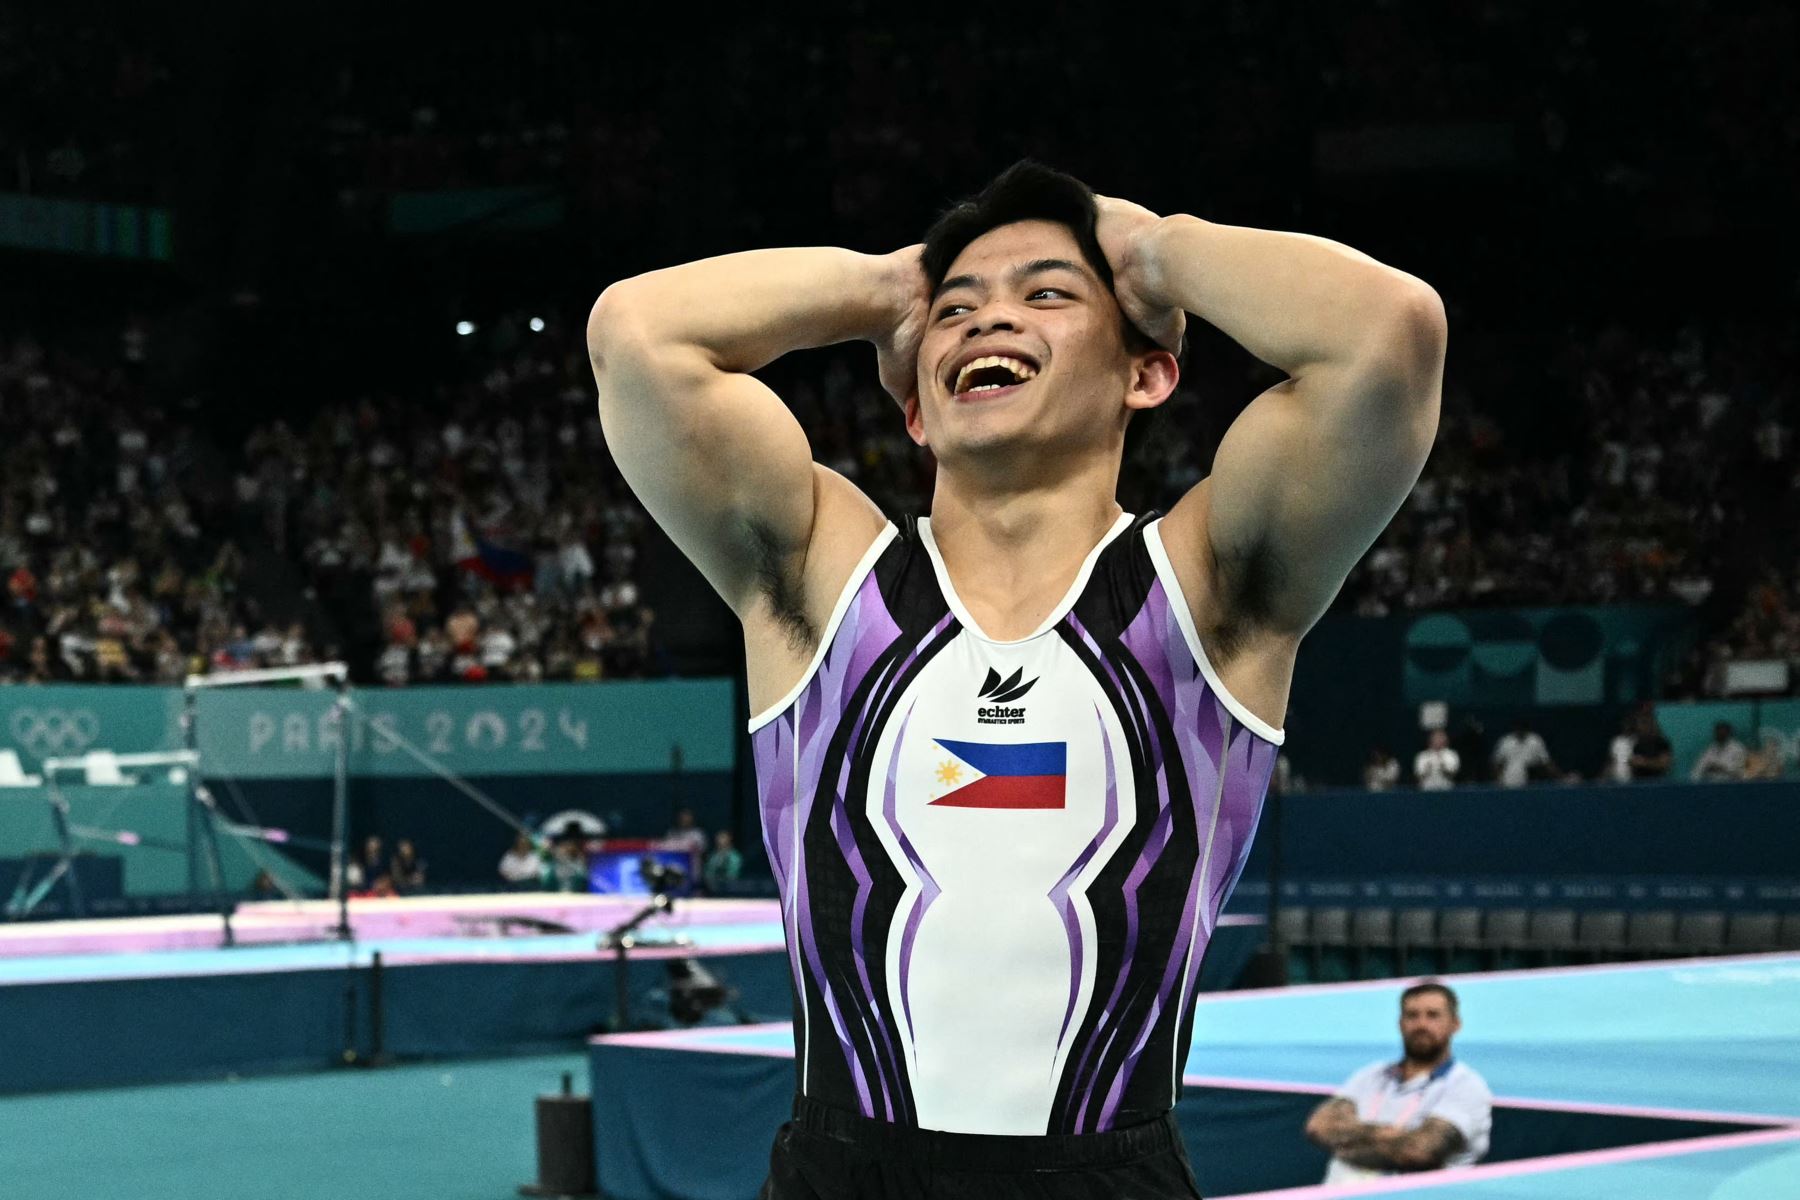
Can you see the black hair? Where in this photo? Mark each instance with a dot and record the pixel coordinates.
(1428, 987)
(1030, 191)
(1026, 191)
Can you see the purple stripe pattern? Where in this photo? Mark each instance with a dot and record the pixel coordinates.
(928, 886)
(1227, 769)
(791, 753)
(1182, 794)
(1059, 895)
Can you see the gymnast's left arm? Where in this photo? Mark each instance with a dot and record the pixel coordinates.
(1311, 472)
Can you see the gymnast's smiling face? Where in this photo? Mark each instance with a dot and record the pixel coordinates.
(1025, 349)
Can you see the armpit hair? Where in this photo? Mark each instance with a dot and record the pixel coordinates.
(1249, 577)
(778, 582)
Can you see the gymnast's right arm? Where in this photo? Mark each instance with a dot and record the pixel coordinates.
(713, 454)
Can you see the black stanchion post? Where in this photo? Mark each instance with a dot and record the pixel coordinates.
(621, 988)
(350, 1055)
(565, 1146)
(377, 1018)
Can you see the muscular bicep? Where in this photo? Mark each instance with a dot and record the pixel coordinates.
(1311, 472)
(714, 456)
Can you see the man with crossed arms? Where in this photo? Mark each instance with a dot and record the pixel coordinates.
(1419, 1114)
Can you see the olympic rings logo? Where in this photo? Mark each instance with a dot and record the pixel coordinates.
(54, 731)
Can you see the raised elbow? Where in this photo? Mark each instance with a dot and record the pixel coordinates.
(1409, 363)
(1422, 311)
(1414, 334)
(613, 324)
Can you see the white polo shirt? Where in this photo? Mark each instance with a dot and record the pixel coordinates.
(1453, 1093)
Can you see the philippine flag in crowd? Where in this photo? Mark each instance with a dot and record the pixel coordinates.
(508, 568)
(1015, 775)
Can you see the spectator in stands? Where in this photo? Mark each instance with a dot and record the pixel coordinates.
(568, 859)
(1764, 762)
(1282, 780)
(522, 867)
(1425, 1111)
(381, 889)
(264, 887)
(1651, 753)
(366, 865)
(406, 869)
(1521, 756)
(686, 835)
(1619, 750)
(723, 865)
(1436, 766)
(1724, 757)
(1382, 772)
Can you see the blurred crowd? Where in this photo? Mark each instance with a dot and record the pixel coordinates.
(1677, 447)
(476, 534)
(471, 535)
(116, 568)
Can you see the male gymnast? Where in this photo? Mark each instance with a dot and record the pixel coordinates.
(1011, 756)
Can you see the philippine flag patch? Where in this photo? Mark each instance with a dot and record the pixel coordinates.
(1017, 775)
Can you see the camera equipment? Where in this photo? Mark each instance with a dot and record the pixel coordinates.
(662, 879)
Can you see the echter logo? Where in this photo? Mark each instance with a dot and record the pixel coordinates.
(54, 731)
(999, 693)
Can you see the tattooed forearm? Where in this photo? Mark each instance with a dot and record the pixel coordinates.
(1384, 1148)
(1332, 1122)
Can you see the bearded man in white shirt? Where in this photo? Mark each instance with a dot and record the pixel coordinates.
(1421, 1113)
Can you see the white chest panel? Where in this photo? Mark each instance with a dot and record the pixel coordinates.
(990, 960)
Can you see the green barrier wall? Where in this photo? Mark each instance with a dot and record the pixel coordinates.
(65, 720)
(159, 865)
(276, 733)
(630, 752)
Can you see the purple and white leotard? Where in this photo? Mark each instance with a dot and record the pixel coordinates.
(1001, 862)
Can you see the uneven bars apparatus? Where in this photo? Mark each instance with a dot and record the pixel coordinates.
(336, 673)
(67, 832)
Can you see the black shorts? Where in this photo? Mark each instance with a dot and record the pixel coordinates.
(828, 1154)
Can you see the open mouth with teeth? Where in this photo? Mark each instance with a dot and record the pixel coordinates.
(992, 373)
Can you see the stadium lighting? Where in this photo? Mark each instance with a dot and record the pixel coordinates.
(465, 328)
(537, 324)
